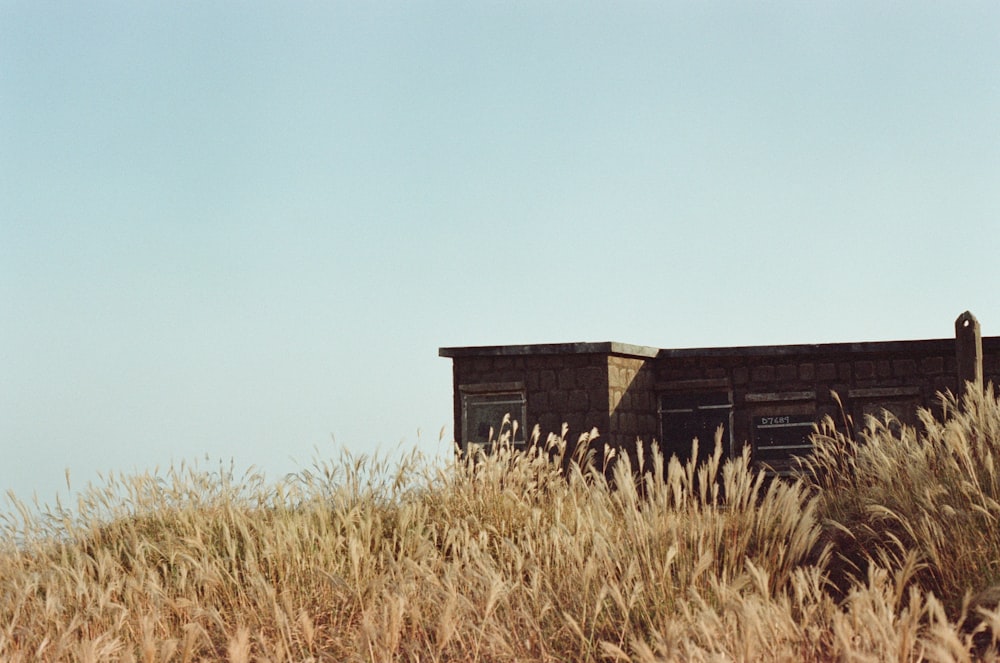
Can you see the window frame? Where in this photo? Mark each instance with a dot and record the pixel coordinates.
(485, 394)
(902, 403)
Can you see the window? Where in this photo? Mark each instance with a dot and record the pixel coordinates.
(901, 403)
(897, 413)
(685, 416)
(483, 413)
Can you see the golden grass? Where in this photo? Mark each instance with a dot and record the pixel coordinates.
(875, 553)
(928, 501)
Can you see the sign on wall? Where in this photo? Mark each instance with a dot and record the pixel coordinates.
(780, 436)
(782, 432)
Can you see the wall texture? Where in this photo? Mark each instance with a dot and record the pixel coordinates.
(622, 389)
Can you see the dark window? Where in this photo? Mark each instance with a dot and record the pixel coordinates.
(686, 416)
(483, 418)
(896, 413)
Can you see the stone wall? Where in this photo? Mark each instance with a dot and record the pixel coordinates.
(631, 401)
(830, 380)
(569, 389)
(617, 388)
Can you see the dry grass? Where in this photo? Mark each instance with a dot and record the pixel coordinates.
(516, 557)
(925, 503)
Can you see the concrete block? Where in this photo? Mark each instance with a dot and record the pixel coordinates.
(591, 378)
(826, 372)
(547, 380)
(864, 370)
(614, 377)
(567, 378)
(787, 372)
(932, 365)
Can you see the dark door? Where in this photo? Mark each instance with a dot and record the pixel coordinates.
(686, 416)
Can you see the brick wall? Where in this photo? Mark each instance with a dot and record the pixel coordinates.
(570, 389)
(616, 388)
(800, 381)
(631, 401)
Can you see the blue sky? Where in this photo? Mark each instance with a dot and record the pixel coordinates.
(232, 230)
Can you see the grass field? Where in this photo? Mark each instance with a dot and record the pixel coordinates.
(887, 548)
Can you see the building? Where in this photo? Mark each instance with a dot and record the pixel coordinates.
(766, 396)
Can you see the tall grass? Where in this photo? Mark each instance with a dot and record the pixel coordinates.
(927, 500)
(526, 556)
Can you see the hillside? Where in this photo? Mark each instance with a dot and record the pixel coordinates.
(886, 548)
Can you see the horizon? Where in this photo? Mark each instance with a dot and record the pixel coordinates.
(245, 234)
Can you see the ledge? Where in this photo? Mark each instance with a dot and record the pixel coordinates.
(694, 385)
(883, 392)
(490, 387)
(944, 346)
(541, 349)
(781, 396)
(940, 346)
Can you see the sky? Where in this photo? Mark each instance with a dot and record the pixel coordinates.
(239, 232)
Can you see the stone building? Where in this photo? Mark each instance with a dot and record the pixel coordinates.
(766, 396)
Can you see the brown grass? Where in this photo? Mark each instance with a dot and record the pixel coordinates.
(513, 558)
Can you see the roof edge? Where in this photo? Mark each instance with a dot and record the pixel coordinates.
(539, 349)
(642, 351)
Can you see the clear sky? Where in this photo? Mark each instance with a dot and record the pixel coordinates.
(232, 230)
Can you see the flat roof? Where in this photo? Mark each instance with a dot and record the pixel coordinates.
(604, 348)
(940, 345)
